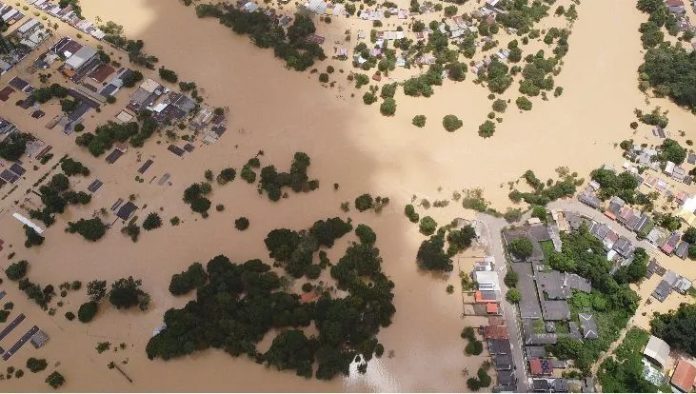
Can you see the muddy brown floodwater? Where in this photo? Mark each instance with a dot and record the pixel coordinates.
(280, 112)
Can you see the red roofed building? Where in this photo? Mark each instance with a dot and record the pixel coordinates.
(683, 376)
(539, 366)
(495, 332)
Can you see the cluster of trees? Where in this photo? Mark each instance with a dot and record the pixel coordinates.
(365, 202)
(545, 193)
(677, 328)
(17, 272)
(249, 296)
(73, 167)
(125, 293)
(114, 35)
(431, 253)
(56, 195)
(33, 238)
(194, 277)
(168, 75)
(670, 150)
(612, 300)
(295, 250)
(411, 213)
(14, 146)
(273, 181)
(247, 172)
(481, 380)
(623, 185)
(522, 15)
(90, 229)
(264, 31)
(43, 95)
(537, 74)
(669, 69)
(473, 346)
(194, 195)
(106, 135)
(622, 372)
(36, 364)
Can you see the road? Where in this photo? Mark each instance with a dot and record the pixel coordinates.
(492, 228)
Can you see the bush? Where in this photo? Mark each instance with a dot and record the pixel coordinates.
(87, 311)
(411, 213)
(514, 296)
(451, 123)
(36, 364)
(499, 105)
(241, 224)
(152, 221)
(55, 380)
(364, 202)
(521, 248)
(388, 107)
(523, 103)
(428, 225)
(419, 120)
(486, 129)
(511, 278)
(17, 271)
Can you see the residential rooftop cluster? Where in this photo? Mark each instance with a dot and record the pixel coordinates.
(20, 42)
(662, 366)
(544, 309)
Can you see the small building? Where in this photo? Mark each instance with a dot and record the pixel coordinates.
(503, 362)
(39, 339)
(499, 346)
(588, 325)
(487, 280)
(682, 250)
(540, 367)
(657, 351)
(126, 210)
(683, 376)
(78, 59)
(590, 200)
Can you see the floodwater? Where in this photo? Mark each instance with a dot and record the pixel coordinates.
(280, 112)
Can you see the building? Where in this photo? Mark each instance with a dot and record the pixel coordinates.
(588, 325)
(79, 59)
(657, 351)
(683, 376)
(126, 210)
(499, 346)
(487, 280)
(95, 80)
(540, 366)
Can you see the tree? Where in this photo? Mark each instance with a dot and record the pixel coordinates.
(499, 105)
(677, 328)
(523, 103)
(87, 311)
(411, 213)
(36, 364)
(72, 167)
(486, 129)
(152, 221)
(431, 255)
(33, 238)
(226, 175)
(291, 349)
(511, 278)
(514, 296)
(670, 150)
(168, 75)
(55, 380)
(365, 234)
(241, 224)
(96, 290)
(194, 277)
(451, 123)
(419, 120)
(460, 239)
(388, 107)
(457, 71)
(364, 202)
(126, 293)
(474, 347)
(521, 248)
(428, 225)
(14, 146)
(17, 271)
(91, 229)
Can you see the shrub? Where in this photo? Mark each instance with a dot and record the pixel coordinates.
(70, 316)
(36, 364)
(364, 202)
(324, 77)
(388, 107)
(152, 221)
(241, 224)
(419, 120)
(451, 123)
(486, 129)
(87, 311)
(55, 380)
(523, 103)
(428, 225)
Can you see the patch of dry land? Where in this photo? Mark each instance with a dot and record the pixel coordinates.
(280, 112)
